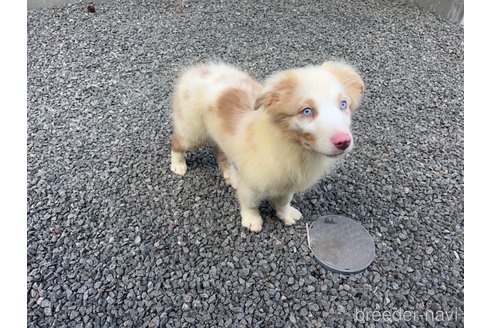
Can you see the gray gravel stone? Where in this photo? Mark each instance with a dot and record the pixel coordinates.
(45, 303)
(47, 311)
(114, 239)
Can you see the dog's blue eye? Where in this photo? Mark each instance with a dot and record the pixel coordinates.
(307, 111)
(343, 104)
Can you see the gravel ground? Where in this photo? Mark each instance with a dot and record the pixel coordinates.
(114, 239)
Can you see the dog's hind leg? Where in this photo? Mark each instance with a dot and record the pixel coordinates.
(178, 159)
(189, 133)
(230, 173)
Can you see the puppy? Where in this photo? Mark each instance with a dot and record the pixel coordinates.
(271, 140)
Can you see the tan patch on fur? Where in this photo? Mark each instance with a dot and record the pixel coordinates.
(308, 137)
(231, 105)
(261, 100)
(283, 95)
(282, 121)
(350, 79)
(176, 143)
(221, 159)
(280, 95)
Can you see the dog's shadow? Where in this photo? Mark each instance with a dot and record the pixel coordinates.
(202, 159)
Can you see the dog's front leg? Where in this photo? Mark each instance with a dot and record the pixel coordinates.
(249, 201)
(285, 212)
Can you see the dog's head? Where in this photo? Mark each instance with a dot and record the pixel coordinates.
(312, 106)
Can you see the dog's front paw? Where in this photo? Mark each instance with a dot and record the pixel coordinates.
(290, 215)
(252, 221)
(178, 168)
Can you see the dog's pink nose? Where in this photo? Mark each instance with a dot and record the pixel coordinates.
(341, 140)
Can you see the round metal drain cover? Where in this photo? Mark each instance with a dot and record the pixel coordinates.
(341, 244)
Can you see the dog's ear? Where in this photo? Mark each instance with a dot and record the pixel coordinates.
(276, 89)
(264, 99)
(350, 79)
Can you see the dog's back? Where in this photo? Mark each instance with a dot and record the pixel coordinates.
(208, 101)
